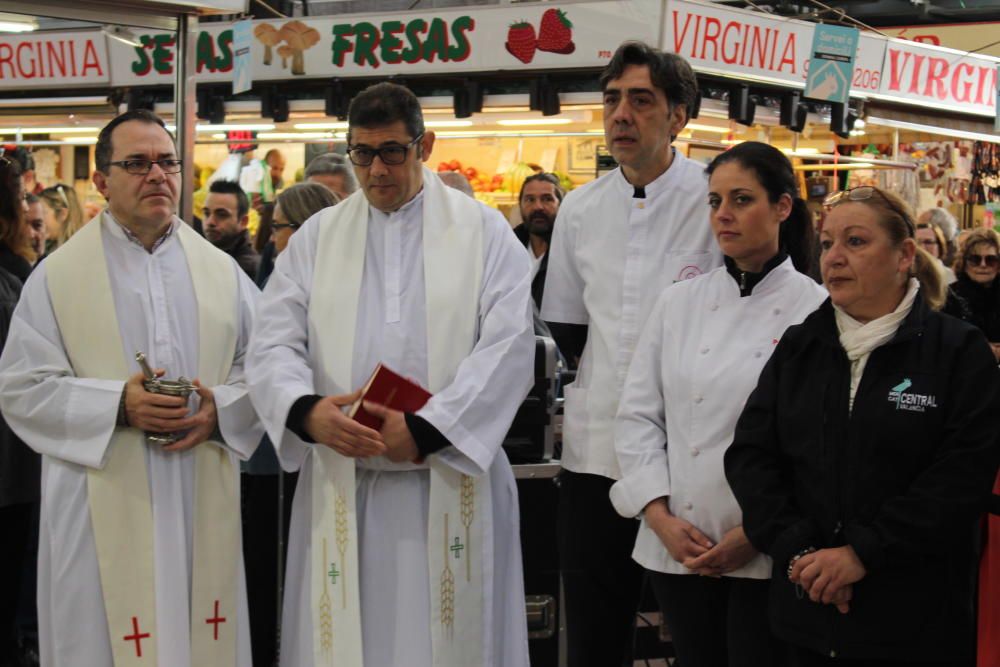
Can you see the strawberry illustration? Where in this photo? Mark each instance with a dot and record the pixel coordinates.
(521, 41)
(556, 32)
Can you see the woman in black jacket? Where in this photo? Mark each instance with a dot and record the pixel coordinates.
(867, 451)
(20, 468)
(978, 286)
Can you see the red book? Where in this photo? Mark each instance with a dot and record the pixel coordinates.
(390, 389)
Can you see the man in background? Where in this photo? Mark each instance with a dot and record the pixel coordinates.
(224, 220)
(539, 201)
(35, 217)
(333, 171)
(275, 161)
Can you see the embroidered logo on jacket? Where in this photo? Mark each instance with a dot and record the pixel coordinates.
(911, 401)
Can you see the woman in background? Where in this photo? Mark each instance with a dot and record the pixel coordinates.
(977, 266)
(63, 215)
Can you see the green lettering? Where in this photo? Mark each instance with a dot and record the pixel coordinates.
(437, 41)
(367, 40)
(390, 43)
(461, 49)
(204, 53)
(142, 66)
(341, 45)
(224, 63)
(163, 54)
(413, 31)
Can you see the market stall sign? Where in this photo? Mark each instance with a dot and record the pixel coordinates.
(542, 36)
(978, 37)
(53, 60)
(757, 46)
(939, 77)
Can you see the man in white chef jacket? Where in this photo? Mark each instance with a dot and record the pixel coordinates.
(139, 559)
(618, 242)
(403, 546)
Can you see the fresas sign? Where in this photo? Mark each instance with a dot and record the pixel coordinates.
(528, 36)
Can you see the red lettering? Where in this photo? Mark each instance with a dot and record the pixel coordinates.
(680, 35)
(697, 29)
(746, 40)
(757, 47)
(72, 57)
(774, 47)
(918, 62)
(937, 70)
(90, 59)
(927, 39)
(726, 58)
(956, 80)
(6, 54)
(712, 30)
(24, 72)
(788, 55)
(990, 89)
(895, 69)
(56, 58)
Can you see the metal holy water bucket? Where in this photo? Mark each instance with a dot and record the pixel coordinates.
(181, 387)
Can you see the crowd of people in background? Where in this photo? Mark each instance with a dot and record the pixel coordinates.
(797, 469)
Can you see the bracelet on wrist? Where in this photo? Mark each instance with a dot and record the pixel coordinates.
(794, 559)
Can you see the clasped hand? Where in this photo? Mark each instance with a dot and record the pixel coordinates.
(326, 423)
(828, 575)
(693, 549)
(159, 413)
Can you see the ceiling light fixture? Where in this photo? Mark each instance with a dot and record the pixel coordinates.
(122, 34)
(234, 127)
(17, 23)
(533, 121)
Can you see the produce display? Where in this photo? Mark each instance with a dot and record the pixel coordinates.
(509, 182)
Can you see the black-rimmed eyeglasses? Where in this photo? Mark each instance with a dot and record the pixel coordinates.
(139, 167)
(392, 154)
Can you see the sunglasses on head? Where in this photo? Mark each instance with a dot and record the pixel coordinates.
(865, 193)
(990, 261)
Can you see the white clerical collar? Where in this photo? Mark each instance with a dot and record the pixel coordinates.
(403, 210)
(124, 233)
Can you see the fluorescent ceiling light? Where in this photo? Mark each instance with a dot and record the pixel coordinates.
(800, 151)
(490, 133)
(81, 140)
(17, 23)
(341, 125)
(933, 129)
(235, 127)
(533, 121)
(295, 135)
(447, 123)
(699, 127)
(49, 130)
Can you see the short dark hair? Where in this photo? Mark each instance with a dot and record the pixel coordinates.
(543, 177)
(104, 149)
(668, 71)
(384, 104)
(232, 188)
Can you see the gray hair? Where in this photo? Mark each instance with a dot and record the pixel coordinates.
(458, 181)
(302, 200)
(943, 219)
(333, 164)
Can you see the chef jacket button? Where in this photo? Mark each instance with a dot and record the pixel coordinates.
(688, 506)
(714, 306)
(698, 398)
(757, 354)
(695, 451)
(704, 350)
(777, 311)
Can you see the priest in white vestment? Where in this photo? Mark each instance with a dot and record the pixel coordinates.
(404, 545)
(139, 559)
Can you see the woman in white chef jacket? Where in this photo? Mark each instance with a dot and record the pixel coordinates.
(695, 364)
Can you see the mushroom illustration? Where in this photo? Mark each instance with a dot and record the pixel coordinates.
(267, 35)
(285, 52)
(299, 37)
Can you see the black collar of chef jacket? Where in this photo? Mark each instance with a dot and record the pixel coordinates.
(746, 280)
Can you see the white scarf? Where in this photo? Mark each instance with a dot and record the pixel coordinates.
(859, 340)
